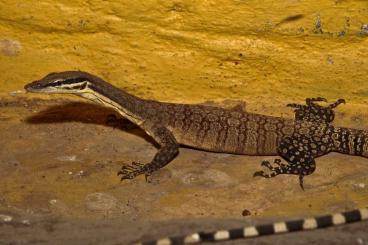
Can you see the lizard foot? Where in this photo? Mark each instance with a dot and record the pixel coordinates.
(263, 174)
(267, 164)
(309, 101)
(315, 112)
(277, 162)
(133, 170)
(274, 170)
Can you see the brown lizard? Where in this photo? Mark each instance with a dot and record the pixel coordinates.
(298, 141)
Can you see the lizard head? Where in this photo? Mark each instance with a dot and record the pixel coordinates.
(74, 82)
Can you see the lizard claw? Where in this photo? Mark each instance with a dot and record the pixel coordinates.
(321, 99)
(301, 181)
(293, 105)
(318, 99)
(280, 164)
(265, 163)
(259, 173)
(131, 171)
(146, 176)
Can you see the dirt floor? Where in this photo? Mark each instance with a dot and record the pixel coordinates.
(58, 165)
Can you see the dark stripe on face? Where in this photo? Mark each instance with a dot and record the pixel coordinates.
(55, 84)
(296, 225)
(74, 80)
(207, 236)
(324, 221)
(236, 233)
(69, 81)
(265, 229)
(352, 216)
(83, 86)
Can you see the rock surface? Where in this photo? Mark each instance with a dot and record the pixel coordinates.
(159, 49)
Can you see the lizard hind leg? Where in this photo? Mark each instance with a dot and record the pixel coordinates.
(299, 156)
(314, 112)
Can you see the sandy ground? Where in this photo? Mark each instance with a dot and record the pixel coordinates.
(58, 165)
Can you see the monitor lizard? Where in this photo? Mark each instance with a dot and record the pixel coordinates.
(297, 141)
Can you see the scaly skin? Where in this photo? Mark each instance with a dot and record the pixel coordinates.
(314, 112)
(216, 129)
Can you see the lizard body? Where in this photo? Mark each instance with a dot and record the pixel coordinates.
(216, 129)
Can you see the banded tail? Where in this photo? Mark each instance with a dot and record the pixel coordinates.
(350, 141)
(267, 229)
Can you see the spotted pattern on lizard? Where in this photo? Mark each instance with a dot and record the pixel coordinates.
(314, 112)
(300, 150)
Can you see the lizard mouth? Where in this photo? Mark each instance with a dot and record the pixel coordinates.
(32, 87)
(36, 86)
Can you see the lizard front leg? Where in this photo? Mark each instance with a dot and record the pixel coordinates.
(314, 112)
(169, 148)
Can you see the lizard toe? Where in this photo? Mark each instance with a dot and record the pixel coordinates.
(265, 163)
(341, 101)
(259, 173)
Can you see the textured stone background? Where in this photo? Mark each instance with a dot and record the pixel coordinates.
(59, 158)
(161, 49)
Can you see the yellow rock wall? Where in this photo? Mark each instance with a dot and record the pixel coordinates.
(193, 50)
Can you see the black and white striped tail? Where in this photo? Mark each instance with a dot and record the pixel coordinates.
(268, 229)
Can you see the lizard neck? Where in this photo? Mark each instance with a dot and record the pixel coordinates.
(129, 106)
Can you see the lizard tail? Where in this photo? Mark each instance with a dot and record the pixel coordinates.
(267, 229)
(350, 141)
